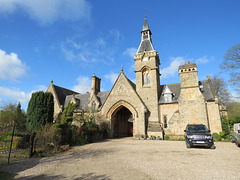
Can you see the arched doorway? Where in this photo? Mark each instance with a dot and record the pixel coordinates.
(122, 121)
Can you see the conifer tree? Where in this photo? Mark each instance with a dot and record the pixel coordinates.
(40, 110)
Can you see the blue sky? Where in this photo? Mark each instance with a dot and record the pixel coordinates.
(68, 40)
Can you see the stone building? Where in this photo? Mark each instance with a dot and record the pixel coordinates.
(147, 106)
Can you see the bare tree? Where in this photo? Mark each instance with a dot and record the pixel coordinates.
(231, 64)
(221, 90)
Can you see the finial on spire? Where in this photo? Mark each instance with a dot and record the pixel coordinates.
(51, 81)
(121, 69)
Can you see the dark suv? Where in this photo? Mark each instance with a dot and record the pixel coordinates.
(198, 135)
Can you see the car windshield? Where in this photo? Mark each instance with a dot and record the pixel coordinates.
(196, 129)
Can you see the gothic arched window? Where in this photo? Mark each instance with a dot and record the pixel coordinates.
(93, 105)
(146, 77)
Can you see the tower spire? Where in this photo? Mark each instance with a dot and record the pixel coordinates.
(145, 25)
(146, 41)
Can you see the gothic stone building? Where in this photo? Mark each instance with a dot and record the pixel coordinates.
(147, 106)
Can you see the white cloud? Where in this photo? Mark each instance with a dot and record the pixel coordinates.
(130, 52)
(112, 77)
(202, 60)
(18, 95)
(84, 84)
(173, 67)
(11, 67)
(101, 49)
(45, 11)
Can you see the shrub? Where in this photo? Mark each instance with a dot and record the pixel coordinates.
(216, 137)
(76, 137)
(104, 128)
(227, 137)
(166, 137)
(24, 142)
(222, 134)
(49, 137)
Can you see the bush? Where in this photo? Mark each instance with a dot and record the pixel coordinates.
(104, 128)
(166, 137)
(24, 142)
(66, 133)
(227, 137)
(216, 137)
(77, 137)
(49, 137)
(222, 134)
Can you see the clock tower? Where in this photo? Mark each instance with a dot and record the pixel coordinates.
(148, 78)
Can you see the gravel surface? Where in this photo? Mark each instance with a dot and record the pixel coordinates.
(127, 158)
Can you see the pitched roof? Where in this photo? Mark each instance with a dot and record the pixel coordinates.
(84, 99)
(145, 45)
(62, 93)
(205, 88)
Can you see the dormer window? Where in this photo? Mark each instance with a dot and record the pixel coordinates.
(168, 95)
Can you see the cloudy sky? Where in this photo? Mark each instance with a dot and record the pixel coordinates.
(68, 40)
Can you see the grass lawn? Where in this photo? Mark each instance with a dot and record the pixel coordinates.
(6, 176)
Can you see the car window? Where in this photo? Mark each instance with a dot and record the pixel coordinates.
(196, 129)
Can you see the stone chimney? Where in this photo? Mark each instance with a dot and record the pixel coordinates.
(188, 75)
(96, 83)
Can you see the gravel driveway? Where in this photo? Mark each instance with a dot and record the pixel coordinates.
(134, 159)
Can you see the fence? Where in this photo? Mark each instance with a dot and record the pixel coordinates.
(13, 140)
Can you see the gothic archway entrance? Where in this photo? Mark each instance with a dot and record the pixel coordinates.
(122, 121)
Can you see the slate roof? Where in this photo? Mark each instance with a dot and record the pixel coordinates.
(62, 93)
(145, 45)
(175, 88)
(84, 99)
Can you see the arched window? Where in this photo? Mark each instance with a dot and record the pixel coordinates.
(93, 105)
(146, 77)
(165, 121)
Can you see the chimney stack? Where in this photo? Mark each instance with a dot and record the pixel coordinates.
(96, 82)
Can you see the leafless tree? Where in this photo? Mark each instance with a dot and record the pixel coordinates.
(221, 90)
(231, 65)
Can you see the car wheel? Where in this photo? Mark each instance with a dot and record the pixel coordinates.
(233, 140)
(238, 145)
(213, 147)
(188, 145)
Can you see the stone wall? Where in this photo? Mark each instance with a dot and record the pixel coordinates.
(123, 95)
(57, 106)
(214, 117)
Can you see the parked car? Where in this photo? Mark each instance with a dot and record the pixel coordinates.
(235, 138)
(198, 135)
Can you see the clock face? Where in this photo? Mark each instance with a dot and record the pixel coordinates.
(145, 59)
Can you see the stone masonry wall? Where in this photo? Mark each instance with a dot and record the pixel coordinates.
(123, 94)
(214, 117)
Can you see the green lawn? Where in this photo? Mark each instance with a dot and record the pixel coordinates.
(6, 176)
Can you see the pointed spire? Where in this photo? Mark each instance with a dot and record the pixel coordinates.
(145, 25)
(146, 41)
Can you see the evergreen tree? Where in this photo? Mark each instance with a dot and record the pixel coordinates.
(40, 110)
(67, 115)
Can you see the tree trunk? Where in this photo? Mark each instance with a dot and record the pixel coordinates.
(32, 144)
